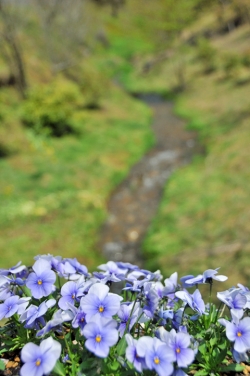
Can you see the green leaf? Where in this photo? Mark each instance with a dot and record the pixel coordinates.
(2, 365)
(221, 356)
(202, 372)
(121, 347)
(86, 364)
(3, 351)
(27, 291)
(232, 367)
(213, 341)
(114, 366)
(59, 369)
(223, 345)
(215, 352)
(203, 348)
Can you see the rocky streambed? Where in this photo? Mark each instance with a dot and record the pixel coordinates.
(134, 203)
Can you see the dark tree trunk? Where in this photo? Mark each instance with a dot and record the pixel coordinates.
(12, 51)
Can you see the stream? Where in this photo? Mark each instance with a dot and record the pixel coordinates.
(134, 203)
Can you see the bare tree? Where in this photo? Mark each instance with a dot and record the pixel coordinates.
(11, 47)
(64, 30)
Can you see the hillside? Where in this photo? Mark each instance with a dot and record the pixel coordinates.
(203, 220)
(67, 144)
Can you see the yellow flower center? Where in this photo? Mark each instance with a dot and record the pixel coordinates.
(239, 334)
(156, 360)
(101, 309)
(38, 362)
(82, 319)
(98, 338)
(73, 296)
(178, 350)
(40, 282)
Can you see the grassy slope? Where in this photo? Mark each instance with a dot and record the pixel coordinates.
(203, 220)
(53, 192)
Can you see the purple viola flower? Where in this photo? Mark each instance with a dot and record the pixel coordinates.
(206, 277)
(79, 321)
(65, 358)
(125, 313)
(5, 292)
(79, 317)
(243, 288)
(69, 268)
(152, 299)
(112, 270)
(13, 305)
(152, 276)
(71, 292)
(233, 298)
(156, 354)
(53, 260)
(177, 319)
(240, 357)
(135, 287)
(99, 302)
(136, 275)
(33, 315)
(58, 318)
(158, 286)
(187, 278)
(9, 284)
(65, 269)
(40, 360)
(41, 281)
(126, 265)
(194, 300)
(246, 292)
(131, 354)
(137, 278)
(48, 257)
(106, 278)
(170, 284)
(78, 268)
(5, 288)
(18, 268)
(164, 314)
(238, 331)
(179, 347)
(101, 334)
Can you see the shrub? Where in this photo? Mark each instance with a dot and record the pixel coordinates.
(91, 82)
(50, 109)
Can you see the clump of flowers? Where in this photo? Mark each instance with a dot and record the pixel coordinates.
(120, 320)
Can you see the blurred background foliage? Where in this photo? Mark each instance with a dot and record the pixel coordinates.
(70, 128)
